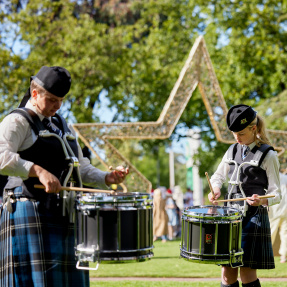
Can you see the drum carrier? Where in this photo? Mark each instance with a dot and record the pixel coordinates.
(235, 178)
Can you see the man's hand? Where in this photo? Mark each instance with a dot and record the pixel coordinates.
(51, 182)
(117, 175)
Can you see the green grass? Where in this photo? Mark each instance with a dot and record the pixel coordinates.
(171, 284)
(168, 263)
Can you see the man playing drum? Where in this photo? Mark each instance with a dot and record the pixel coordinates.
(37, 239)
(249, 131)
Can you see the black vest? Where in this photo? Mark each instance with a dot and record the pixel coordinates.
(254, 179)
(46, 152)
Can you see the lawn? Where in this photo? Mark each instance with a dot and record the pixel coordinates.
(168, 263)
(172, 284)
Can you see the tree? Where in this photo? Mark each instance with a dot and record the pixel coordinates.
(134, 50)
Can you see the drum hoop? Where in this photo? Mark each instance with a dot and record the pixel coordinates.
(196, 215)
(223, 220)
(111, 202)
(232, 254)
(113, 208)
(131, 197)
(128, 259)
(126, 251)
(89, 250)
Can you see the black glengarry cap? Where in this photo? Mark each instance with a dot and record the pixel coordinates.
(55, 80)
(239, 117)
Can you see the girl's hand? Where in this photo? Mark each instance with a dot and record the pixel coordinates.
(217, 194)
(254, 200)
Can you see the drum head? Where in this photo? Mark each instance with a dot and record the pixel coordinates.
(211, 212)
(117, 199)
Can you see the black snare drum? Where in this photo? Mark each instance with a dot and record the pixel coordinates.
(212, 234)
(114, 228)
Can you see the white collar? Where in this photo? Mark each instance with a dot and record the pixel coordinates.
(251, 146)
(31, 107)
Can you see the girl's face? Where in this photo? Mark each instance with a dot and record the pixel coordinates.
(246, 136)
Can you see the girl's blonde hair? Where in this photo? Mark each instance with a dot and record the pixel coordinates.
(261, 136)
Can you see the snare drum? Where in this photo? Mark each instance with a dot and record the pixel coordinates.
(212, 234)
(114, 228)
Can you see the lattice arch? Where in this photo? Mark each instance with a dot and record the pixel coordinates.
(197, 71)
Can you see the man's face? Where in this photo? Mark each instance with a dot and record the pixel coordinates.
(46, 104)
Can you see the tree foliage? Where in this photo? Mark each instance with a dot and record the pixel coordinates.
(133, 50)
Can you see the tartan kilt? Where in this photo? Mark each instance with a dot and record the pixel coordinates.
(256, 240)
(37, 248)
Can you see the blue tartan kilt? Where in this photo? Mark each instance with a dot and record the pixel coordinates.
(256, 240)
(37, 248)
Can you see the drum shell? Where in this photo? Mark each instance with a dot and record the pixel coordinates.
(119, 229)
(211, 238)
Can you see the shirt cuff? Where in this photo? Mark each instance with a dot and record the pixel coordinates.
(102, 181)
(274, 200)
(25, 168)
(95, 178)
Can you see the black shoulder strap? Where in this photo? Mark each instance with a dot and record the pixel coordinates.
(261, 153)
(232, 151)
(32, 119)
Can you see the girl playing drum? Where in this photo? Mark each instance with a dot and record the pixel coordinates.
(249, 132)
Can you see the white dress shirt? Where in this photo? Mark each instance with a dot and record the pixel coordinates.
(16, 135)
(270, 164)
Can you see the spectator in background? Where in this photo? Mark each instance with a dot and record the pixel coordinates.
(278, 219)
(177, 195)
(160, 218)
(188, 198)
(171, 210)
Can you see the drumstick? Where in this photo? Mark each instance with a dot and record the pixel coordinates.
(73, 188)
(243, 198)
(210, 186)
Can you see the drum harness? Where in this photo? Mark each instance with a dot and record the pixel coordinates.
(72, 174)
(68, 198)
(74, 165)
(235, 178)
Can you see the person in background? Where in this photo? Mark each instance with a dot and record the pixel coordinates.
(188, 198)
(248, 129)
(278, 220)
(178, 197)
(37, 239)
(160, 218)
(171, 210)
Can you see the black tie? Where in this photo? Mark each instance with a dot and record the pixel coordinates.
(51, 127)
(245, 152)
